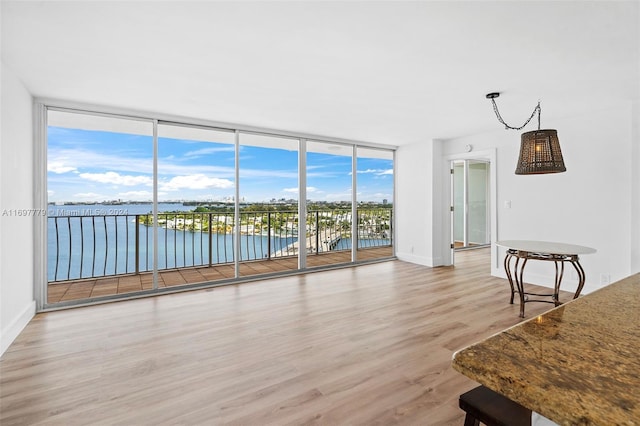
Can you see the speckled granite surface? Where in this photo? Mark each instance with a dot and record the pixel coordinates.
(578, 364)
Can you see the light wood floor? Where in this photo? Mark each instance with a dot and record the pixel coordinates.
(369, 345)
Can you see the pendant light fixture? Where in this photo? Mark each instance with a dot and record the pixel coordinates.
(539, 149)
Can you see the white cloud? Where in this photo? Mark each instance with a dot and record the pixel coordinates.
(197, 181)
(344, 196)
(172, 168)
(136, 195)
(118, 179)
(209, 151)
(90, 196)
(377, 172)
(79, 158)
(259, 173)
(329, 174)
(310, 189)
(58, 167)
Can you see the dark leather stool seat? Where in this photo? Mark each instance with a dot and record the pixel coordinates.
(483, 405)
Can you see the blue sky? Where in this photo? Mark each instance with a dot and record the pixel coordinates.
(95, 166)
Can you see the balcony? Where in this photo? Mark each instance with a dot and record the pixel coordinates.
(97, 256)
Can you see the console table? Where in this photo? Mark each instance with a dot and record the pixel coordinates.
(524, 250)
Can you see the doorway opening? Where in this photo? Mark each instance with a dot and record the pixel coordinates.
(471, 212)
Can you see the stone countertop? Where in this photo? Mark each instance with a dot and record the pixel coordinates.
(577, 364)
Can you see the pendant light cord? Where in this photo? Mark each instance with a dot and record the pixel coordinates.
(506, 126)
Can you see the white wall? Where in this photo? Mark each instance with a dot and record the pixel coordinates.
(414, 191)
(591, 204)
(17, 305)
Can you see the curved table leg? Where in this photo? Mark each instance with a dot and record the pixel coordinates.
(507, 269)
(556, 288)
(581, 276)
(515, 273)
(520, 284)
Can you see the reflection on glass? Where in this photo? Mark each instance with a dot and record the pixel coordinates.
(478, 206)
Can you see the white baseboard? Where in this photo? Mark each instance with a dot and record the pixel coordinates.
(9, 333)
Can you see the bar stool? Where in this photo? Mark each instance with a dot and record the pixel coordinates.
(492, 409)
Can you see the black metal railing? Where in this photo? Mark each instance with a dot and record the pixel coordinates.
(106, 245)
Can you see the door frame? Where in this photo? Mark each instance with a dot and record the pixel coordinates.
(490, 156)
(465, 202)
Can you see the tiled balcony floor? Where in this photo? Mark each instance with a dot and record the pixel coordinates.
(99, 287)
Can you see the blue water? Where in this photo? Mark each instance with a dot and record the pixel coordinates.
(105, 244)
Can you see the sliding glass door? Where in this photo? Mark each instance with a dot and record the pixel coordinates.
(139, 206)
(196, 199)
(329, 204)
(268, 228)
(99, 190)
(471, 208)
(375, 203)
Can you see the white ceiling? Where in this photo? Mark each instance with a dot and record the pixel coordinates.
(382, 72)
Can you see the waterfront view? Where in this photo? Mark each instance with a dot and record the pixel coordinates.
(86, 241)
(103, 171)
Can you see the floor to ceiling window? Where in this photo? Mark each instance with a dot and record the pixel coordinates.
(140, 206)
(268, 204)
(375, 203)
(329, 205)
(196, 199)
(99, 189)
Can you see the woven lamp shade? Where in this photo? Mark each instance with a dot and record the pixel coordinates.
(540, 153)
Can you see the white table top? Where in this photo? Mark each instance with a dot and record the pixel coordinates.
(545, 247)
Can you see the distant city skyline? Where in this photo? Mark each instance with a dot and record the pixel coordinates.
(98, 166)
